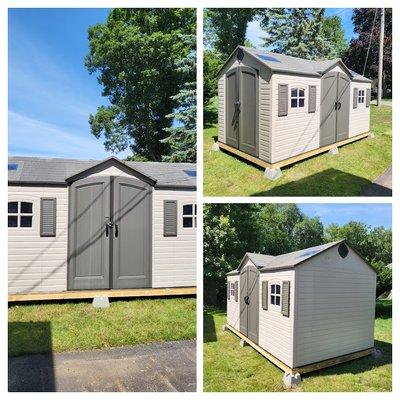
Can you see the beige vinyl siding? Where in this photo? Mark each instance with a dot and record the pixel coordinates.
(335, 307)
(360, 116)
(38, 264)
(174, 258)
(264, 115)
(298, 132)
(276, 331)
(233, 307)
(221, 109)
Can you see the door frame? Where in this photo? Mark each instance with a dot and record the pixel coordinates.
(110, 217)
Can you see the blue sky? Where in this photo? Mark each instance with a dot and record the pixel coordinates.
(371, 214)
(50, 92)
(254, 32)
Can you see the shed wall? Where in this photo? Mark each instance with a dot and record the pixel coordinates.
(233, 307)
(335, 307)
(360, 116)
(298, 132)
(35, 263)
(276, 331)
(174, 258)
(221, 109)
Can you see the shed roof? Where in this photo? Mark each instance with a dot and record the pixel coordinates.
(287, 64)
(40, 170)
(289, 260)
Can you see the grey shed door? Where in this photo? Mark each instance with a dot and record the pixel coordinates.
(249, 302)
(109, 233)
(335, 103)
(88, 244)
(131, 249)
(232, 109)
(248, 126)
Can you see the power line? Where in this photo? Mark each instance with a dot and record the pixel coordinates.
(370, 39)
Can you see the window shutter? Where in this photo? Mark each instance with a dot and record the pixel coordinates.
(282, 100)
(285, 298)
(170, 217)
(236, 291)
(355, 97)
(48, 216)
(228, 293)
(312, 99)
(264, 295)
(368, 99)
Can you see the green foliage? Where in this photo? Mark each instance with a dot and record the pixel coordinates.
(231, 230)
(212, 62)
(182, 135)
(303, 32)
(135, 54)
(357, 52)
(225, 28)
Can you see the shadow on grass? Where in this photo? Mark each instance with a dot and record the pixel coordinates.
(30, 373)
(209, 332)
(360, 365)
(328, 182)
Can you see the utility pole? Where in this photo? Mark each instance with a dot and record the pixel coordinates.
(380, 68)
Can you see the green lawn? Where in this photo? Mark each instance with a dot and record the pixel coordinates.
(57, 327)
(346, 174)
(229, 367)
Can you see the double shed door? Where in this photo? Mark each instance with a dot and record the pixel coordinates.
(109, 234)
(335, 108)
(249, 302)
(242, 109)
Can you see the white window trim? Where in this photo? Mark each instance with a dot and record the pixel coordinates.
(232, 290)
(361, 96)
(18, 214)
(297, 97)
(193, 215)
(274, 307)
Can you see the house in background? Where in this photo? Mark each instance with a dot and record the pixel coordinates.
(275, 110)
(85, 224)
(304, 310)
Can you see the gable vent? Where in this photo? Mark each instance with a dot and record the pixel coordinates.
(343, 250)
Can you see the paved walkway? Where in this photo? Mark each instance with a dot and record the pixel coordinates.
(381, 186)
(160, 367)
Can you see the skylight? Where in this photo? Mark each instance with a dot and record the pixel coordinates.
(309, 253)
(266, 57)
(190, 173)
(12, 167)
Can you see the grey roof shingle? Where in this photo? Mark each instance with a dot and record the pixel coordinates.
(289, 260)
(57, 170)
(282, 63)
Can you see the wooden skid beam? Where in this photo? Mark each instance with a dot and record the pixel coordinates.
(290, 160)
(263, 352)
(89, 294)
(306, 368)
(333, 361)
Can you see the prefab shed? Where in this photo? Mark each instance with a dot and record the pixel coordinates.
(303, 308)
(275, 109)
(85, 224)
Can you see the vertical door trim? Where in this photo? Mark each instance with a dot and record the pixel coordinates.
(227, 123)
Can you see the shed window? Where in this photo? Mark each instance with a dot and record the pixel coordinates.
(189, 216)
(275, 297)
(361, 96)
(20, 214)
(232, 289)
(297, 97)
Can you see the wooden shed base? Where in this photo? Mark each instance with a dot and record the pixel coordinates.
(306, 368)
(90, 294)
(290, 160)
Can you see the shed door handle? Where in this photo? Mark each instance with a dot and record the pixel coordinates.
(116, 230)
(340, 105)
(246, 300)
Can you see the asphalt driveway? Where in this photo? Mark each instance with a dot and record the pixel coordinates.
(160, 367)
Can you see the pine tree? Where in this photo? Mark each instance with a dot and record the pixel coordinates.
(296, 32)
(182, 133)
